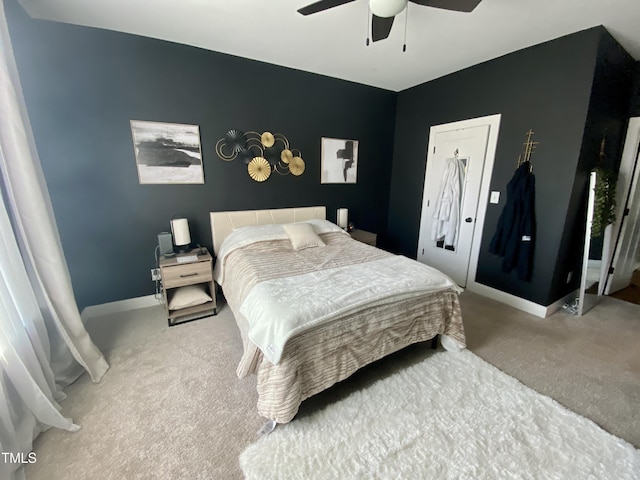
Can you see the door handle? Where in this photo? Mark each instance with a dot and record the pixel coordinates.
(468, 219)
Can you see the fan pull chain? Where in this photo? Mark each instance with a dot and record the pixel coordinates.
(406, 20)
(368, 17)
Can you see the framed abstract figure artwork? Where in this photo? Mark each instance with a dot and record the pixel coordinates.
(339, 161)
(167, 152)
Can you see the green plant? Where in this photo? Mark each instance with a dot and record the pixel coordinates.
(604, 212)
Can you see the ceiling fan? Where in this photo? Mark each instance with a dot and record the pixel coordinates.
(384, 11)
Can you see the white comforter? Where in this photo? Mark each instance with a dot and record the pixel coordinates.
(280, 308)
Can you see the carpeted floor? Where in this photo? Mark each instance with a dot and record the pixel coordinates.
(172, 407)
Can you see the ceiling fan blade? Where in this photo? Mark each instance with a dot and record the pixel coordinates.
(456, 5)
(322, 5)
(380, 27)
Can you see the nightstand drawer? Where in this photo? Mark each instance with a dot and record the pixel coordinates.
(186, 274)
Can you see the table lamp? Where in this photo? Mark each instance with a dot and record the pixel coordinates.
(343, 218)
(181, 236)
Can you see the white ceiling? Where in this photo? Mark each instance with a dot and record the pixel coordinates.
(333, 42)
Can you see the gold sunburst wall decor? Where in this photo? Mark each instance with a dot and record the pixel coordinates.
(259, 169)
(263, 153)
(296, 166)
(267, 139)
(286, 156)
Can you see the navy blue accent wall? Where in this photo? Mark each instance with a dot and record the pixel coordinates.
(82, 87)
(607, 119)
(546, 88)
(635, 103)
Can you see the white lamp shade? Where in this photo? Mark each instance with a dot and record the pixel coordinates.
(387, 8)
(180, 230)
(343, 217)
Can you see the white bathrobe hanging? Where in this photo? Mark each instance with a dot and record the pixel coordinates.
(446, 217)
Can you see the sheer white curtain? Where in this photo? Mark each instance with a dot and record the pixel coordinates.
(43, 343)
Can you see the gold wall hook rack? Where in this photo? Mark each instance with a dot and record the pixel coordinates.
(529, 149)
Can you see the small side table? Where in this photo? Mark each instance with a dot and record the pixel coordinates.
(176, 274)
(364, 237)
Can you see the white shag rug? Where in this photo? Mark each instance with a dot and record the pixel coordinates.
(452, 416)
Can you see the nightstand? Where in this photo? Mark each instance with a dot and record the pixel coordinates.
(194, 268)
(364, 237)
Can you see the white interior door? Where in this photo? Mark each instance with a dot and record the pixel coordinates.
(469, 144)
(626, 228)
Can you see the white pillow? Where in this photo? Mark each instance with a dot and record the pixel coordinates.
(325, 226)
(302, 235)
(188, 296)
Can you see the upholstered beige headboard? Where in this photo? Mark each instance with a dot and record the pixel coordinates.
(223, 223)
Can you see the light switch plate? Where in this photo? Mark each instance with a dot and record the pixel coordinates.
(495, 197)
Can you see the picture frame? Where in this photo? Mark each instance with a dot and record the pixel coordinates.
(339, 159)
(167, 153)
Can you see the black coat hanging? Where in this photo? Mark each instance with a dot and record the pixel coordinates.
(514, 239)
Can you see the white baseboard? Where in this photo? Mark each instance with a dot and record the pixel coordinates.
(519, 303)
(118, 306)
(558, 304)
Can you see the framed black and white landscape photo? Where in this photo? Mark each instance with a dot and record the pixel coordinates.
(167, 152)
(339, 161)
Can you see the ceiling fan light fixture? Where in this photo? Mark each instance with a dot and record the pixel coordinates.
(387, 8)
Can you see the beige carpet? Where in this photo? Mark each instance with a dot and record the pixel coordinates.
(171, 407)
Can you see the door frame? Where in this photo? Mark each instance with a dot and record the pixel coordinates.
(494, 127)
(628, 183)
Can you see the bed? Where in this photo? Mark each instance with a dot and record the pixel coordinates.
(314, 307)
